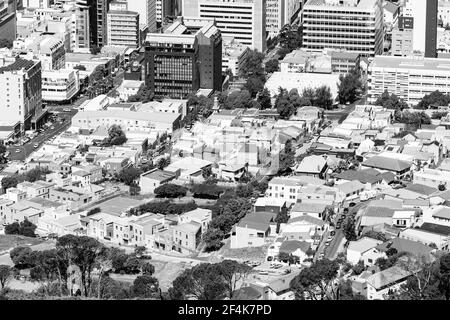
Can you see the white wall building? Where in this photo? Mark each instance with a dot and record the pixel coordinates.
(60, 85)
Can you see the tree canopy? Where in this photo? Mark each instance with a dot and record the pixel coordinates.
(170, 190)
(349, 87)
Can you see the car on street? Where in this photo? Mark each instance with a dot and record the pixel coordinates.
(338, 225)
(52, 128)
(66, 110)
(332, 233)
(36, 145)
(17, 150)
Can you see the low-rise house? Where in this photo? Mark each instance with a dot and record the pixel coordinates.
(299, 249)
(189, 168)
(35, 189)
(351, 189)
(314, 166)
(186, 237)
(144, 228)
(304, 228)
(432, 177)
(429, 234)
(277, 289)
(363, 250)
(385, 164)
(66, 225)
(154, 178)
(382, 283)
(201, 216)
(94, 171)
(411, 247)
(313, 209)
(74, 199)
(270, 205)
(114, 165)
(254, 230)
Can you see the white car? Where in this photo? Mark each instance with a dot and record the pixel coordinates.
(18, 151)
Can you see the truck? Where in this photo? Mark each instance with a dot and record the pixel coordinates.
(366, 195)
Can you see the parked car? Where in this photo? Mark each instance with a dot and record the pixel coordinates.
(18, 151)
(36, 145)
(332, 233)
(338, 225)
(66, 110)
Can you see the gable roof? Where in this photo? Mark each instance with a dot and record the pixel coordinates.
(312, 164)
(387, 277)
(386, 163)
(259, 221)
(312, 207)
(442, 213)
(364, 176)
(435, 228)
(292, 245)
(404, 245)
(306, 218)
(363, 244)
(421, 188)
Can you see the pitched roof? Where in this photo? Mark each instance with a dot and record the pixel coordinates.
(435, 228)
(363, 244)
(387, 277)
(309, 207)
(386, 163)
(421, 188)
(259, 221)
(364, 176)
(312, 164)
(306, 218)
(442, 213)
(292, 245)
(405, 245)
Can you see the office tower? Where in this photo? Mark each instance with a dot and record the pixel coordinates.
(352, 25)
(20, 89)
(80, 35)
(146, 10)
(402, 37)
(123, 27)
(280, 13)
(424, 13)
(410, 78)
(166, 8)
(243, 20)
(50, 51)
(101, 11)
(8, 20)
(180, 62)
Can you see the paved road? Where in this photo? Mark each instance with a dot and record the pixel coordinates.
(22, 152)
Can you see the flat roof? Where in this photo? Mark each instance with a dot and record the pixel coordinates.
(408, 63)
(159, 175)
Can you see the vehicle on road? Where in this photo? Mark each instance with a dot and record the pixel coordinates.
(338, 225)
(36, 145)
(17, 150)
(345, 210)
(332, 233)
(66, 110)
(52, 128)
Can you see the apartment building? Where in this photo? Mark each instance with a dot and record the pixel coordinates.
(173, 58)
(47, 49)
(243, 20)
(60, 85)
(280, 13)
(101, 22)
(80, 37)
(402, 37)
(410, 78)
(123, 28)
(425, 15)
(20, 89)
(233, 56)
(8, 20)
(166, 8)
(353, 25)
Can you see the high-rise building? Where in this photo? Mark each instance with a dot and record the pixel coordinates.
(123, 26)
(8, 19)
(166, 8)
(410, 78)
(146, 10)
(243, 20)
(101, 11)
(20, 89)
(280, 13)
(402, 37)
(352, 25)
(180, 62)
(80, 35)
(425, 15)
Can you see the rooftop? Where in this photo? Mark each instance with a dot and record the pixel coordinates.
(159, 175)
(386, 163)
(387, 277)
(363, 244)
(429, 64)
(19, 64)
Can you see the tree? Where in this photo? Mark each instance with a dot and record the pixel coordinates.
(6, 43)
(233, 273)
(145, 286)
(348, 87)
(316, 281)
(84, 252)
(349, 229)
(213, 239)
(264, 99)
(9, 182)
(148, 269)
(201, 282)
(139, 251)
(238, 99)
(359, 267)
(439, 114)
(442, 187)
(162, 163)
(170, 190)
(272, 66)
(24, 228)
(290, 38)
(5, 275)
(391, 101)
(254, 85)
(93, 211)
(375, 235)
(444, 268)
(252, 67)
(48, 268)
(116, 136)
(323, 97)
(434, 99)
(13, 228)
(22, 257)
(129, 175)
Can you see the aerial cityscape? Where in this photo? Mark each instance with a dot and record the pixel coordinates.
(224, 150)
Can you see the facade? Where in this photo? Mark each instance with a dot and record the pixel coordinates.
(402, 37)
(151, 180)
(425, 15)
(21, 89)
(444, 12)
(166, 8)
(147, 12)
(80, 37)
(280, 13)
(243, 20)
(172, 60)
(350, 25)
(60, 85)
(100, 13)
(123, 28)
(8, 20)
(410, 78)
